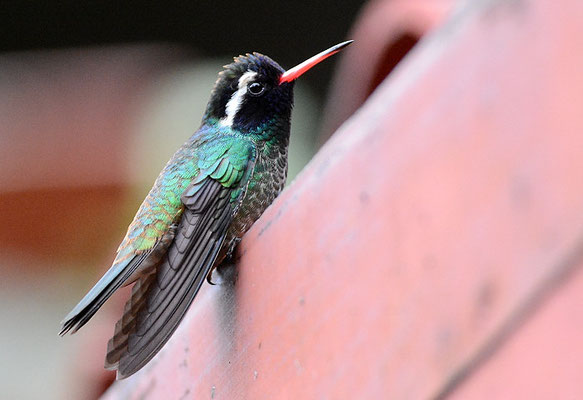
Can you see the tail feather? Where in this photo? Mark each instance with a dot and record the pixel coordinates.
(117, 345)
(113, 279)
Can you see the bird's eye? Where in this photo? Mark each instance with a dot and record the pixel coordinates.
(256, 89)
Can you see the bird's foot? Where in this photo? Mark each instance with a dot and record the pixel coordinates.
(225, 273)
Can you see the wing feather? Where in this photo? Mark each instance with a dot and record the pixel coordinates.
(160, 302)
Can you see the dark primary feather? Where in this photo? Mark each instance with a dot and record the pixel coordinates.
(159, 301)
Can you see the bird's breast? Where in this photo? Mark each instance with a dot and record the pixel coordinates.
(266, 182)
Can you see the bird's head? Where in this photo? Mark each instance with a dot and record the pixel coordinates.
(254, 91)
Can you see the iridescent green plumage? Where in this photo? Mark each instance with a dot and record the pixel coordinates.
(221, 154)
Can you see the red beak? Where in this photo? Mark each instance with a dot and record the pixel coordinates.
(293, 73)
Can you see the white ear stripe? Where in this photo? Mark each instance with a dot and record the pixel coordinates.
(234, 103)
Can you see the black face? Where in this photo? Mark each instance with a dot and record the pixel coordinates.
(247, 94)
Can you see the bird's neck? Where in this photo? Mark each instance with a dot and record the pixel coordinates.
(274, 132)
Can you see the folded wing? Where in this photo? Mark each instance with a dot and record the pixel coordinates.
(160, 300)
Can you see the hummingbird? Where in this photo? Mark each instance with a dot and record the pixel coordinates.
(208, 195)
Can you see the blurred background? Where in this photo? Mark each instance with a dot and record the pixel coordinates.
(95, 96)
